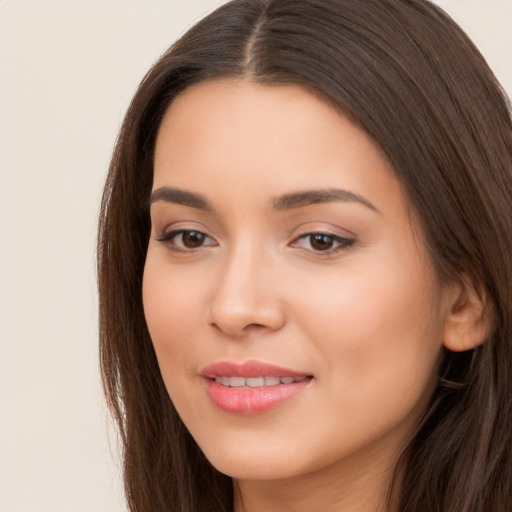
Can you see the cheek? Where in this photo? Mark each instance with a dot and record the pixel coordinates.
(172, 315)
(379, 330)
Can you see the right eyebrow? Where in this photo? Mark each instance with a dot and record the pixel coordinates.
(310, 197)
(179, 196)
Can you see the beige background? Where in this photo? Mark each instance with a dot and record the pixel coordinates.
(67, 72)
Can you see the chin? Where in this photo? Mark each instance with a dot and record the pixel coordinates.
(250, 462)
(255, 469)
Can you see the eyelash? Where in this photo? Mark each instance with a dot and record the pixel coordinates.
(342, 243)
(169, 239)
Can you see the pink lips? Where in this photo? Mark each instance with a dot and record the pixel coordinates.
(251, 400)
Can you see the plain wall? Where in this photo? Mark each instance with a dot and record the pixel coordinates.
(68, 70)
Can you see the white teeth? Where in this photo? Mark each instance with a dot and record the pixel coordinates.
(272, 381)
(237, 382)
(257, 382)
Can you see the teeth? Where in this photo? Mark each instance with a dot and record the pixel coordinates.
(237, 382)
(272, 381)
(257, 382)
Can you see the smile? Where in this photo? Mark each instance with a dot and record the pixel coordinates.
(252, 387)
(256, 382)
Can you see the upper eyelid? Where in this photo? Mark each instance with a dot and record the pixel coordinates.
(341, 243)
(168, 239)
(167, 234)
(339, 238)
(326, 233)
(174, 232)
(306, 229)
(183, 225)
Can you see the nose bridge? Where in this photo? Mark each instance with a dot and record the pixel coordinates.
(244, 295)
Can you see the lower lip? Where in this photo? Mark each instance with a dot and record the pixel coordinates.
(252, 400)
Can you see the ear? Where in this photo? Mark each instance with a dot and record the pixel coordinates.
(468, 320)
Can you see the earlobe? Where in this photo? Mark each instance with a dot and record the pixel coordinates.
(468, 320)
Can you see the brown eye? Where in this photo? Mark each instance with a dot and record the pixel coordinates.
(193, 239)
(184, 240)
(321, 242)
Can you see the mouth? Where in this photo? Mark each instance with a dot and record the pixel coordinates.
(252, 387)
(256, 382)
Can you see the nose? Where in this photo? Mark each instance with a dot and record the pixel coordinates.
(246, 298)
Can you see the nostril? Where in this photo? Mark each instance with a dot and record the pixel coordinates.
(255, 326)
(235, 332)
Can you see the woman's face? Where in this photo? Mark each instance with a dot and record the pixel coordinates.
(297, 320)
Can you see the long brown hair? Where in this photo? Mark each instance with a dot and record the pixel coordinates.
(409, 76)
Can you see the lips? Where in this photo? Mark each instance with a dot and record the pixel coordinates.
(253, 387)
(256, 382)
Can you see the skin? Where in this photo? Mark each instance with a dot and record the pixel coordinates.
(366, 319)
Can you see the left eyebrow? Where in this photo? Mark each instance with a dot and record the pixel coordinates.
(179, 196)
(310, 197)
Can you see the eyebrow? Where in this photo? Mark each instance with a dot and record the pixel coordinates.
(310, 197)
(179, 196)
(285, 202)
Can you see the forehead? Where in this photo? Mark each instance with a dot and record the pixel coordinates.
(238, 131)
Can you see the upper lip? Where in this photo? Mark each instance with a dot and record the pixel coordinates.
(248, 369)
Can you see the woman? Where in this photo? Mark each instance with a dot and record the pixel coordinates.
(304, 266)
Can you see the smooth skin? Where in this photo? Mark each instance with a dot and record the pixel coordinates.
(340, 288)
